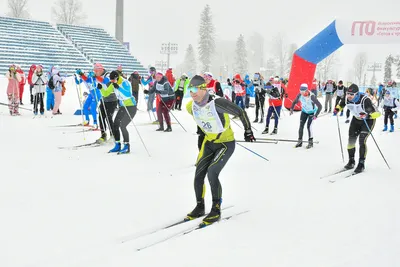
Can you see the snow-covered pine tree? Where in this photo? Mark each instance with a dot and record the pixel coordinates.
(189, 63)
(241, 56)
(398, 67)
(270, 68)
(206, 39)
(388, 68)
(292, 48)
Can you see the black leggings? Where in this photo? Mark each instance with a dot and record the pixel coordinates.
(107, 110)
(38, 100)
(260, 99)
(304, 117)
(122, 120)
(212, 159)
(388, 115)
(179, 98)
(359, 129)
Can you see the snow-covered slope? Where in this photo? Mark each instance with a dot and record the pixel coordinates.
(72, 208)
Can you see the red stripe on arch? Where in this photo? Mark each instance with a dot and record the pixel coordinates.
(302, 72)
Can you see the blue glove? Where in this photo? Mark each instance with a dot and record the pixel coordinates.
(79, 72)
(91, 74)
(76, 81)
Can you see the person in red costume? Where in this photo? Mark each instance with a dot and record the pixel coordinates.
(213, 86)
(275, 106)
(22, 83)
(240, 91)
(31, 85)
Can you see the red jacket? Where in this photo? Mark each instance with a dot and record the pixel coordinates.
(170, 77)
(23, 79)
(30, 74)
(275, 102)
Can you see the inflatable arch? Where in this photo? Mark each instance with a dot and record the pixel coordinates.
(338, 33)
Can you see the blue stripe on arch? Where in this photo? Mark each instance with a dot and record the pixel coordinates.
(322, 45)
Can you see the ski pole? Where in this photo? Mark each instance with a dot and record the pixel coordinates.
(373, 138)
(169, 110)
(285, 140)
(252, 151)
(80, 105)
(102, 104)
(140, 136)
(262, 142)
(241, 126)
(340, 137)
(8, 105)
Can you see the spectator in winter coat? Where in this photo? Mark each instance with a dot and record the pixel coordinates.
(233, 95)
(213, 86)
(329, 89)
(134, 79)
(249, 90)
(57, 82)
(239, 87)
(14, 78)
(21, 83)
(164, 90)
(180, 90)
(119, 70)
(150, 81)
(30, 74)
(39, 81)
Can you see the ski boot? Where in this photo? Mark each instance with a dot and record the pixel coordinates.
(391, 128)
(214, 215)
(261, 120)
(42, 113)
(299, 144)
(385, 128)
(341, 113)
(265, 131)
(360, 167)
(126, 149)
(35, 113)
(256, 120)
(161, 129)
(197, 212)
(310, 143)
(102, 139)
(350, 164)
(86, 123)
(334, 113)
(169, 129)
(275, 131)
(395, 116)
(117, 148)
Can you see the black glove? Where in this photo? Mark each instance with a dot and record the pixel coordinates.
(99, 86)
(146, 92)
(248, 136)
(116, 86)
(286, 95)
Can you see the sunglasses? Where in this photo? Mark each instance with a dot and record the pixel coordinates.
(195, 89)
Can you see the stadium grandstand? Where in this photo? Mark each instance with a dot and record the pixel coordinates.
(26, 42)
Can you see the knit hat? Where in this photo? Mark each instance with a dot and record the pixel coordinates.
(196, 81)
(303, 87)
(98, 66)
(114, 75)
(353, 89)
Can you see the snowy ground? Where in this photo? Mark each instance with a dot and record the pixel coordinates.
(72, 208)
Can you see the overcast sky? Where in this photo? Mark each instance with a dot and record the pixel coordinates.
(150, 23)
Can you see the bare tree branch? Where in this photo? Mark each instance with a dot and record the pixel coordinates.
(360, 66)
(18, 8)
(68, 12)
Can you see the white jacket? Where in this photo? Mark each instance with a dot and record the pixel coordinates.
(39, 83)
